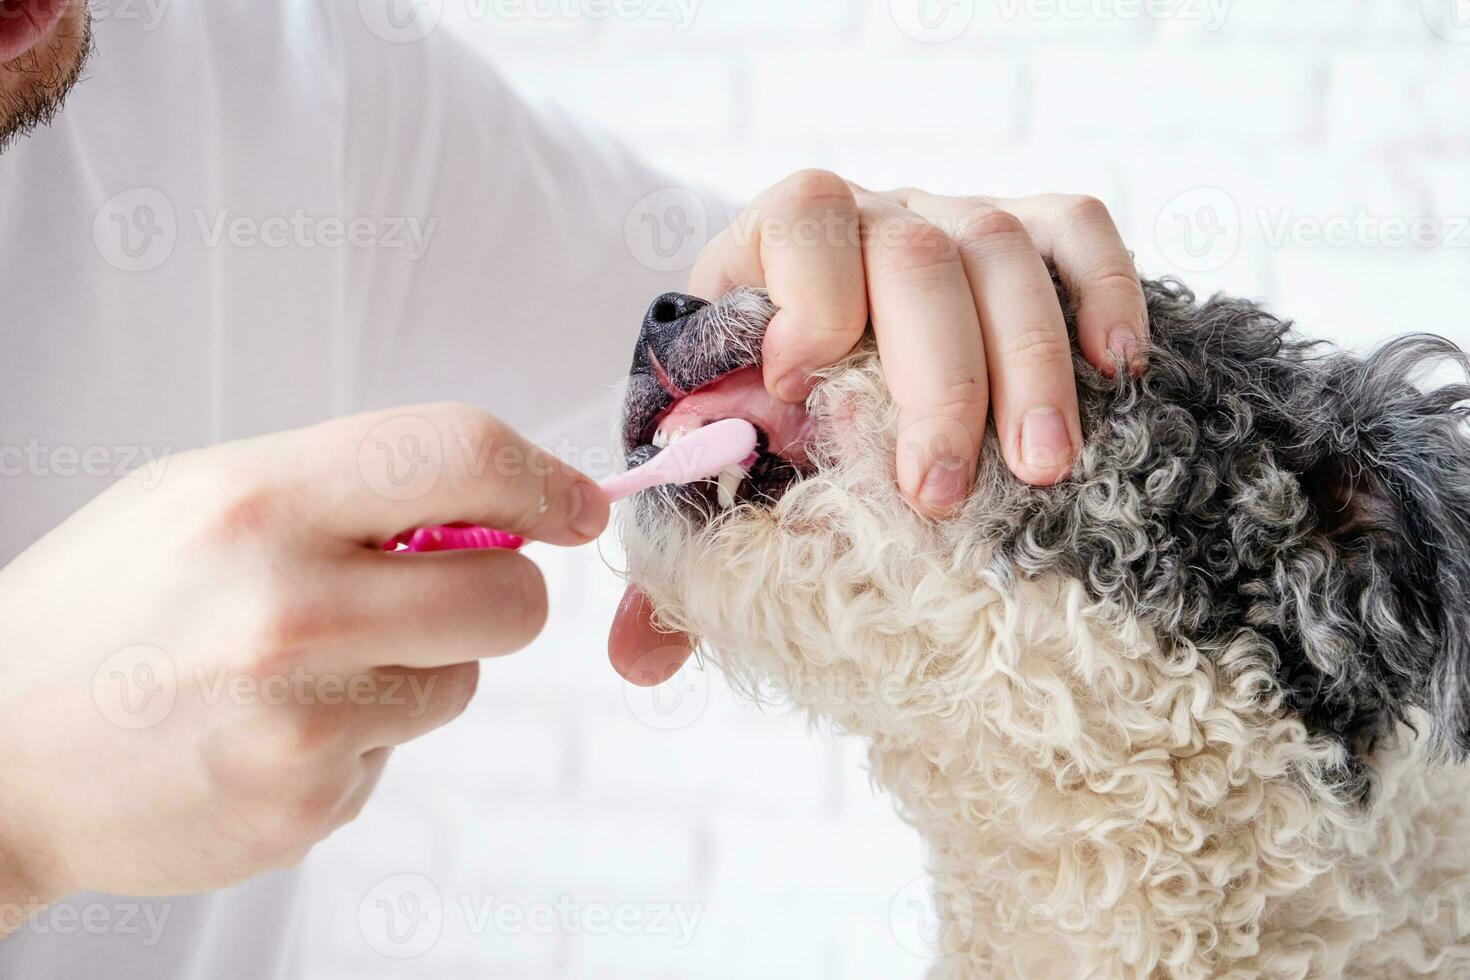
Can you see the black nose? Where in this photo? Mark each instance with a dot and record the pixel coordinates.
(662, 325)
(671, 308)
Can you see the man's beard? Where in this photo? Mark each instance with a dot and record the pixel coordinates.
(45, 75)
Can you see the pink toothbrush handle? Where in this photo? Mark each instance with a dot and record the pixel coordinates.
(623, 485)
(465, 537)
(454, 537)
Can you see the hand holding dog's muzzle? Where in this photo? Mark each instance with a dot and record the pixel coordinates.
(961, 299)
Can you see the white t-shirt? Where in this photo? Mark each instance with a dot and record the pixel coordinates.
(255, 214)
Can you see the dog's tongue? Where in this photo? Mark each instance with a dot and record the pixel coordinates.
(742, 395)
(639, 651)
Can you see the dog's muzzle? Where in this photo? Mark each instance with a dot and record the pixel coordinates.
(696, 363)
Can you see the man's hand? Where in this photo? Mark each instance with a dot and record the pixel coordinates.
(963, 307)
(967, 320)
(200, 680)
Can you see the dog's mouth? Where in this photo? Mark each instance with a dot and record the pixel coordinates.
(781, 451)
(697, 363)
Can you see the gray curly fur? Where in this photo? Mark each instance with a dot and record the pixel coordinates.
(1255, 491)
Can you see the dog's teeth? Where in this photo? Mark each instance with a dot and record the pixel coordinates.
(729, 485)
(660, 439)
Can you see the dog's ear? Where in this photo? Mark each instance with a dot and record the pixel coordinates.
(1390, 485)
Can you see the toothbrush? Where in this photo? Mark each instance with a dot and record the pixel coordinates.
(697, 456)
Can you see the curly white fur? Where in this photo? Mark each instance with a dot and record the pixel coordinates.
(1097, 801)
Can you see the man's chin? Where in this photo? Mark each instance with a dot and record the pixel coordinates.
(34, 85)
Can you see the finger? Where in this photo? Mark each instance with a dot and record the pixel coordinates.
(1033, 390)
(368, 477)
(639, 650)
(901, 196)
(729, 260)
(800, 240)
(408, 703)
(352, 717)
(933, 354)
(1083, 241)
(359, 715)
(425, 610)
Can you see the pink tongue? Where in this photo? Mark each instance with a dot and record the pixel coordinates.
(741, 394)
(641, 653)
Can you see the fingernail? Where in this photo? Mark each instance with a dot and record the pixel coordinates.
(1046, 445)
(585, 520)
(946, 483)
(794, 387)
(1123, 345)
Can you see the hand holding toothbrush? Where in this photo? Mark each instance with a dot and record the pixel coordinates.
(255, 568)
(700, 455)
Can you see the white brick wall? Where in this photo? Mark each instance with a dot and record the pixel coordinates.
(562, 786)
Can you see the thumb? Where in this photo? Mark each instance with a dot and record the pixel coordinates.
(369, 477)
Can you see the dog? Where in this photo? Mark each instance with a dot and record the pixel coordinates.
(1199, 710)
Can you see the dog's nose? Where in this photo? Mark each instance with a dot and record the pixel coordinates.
(671, 308)
(663, 325)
